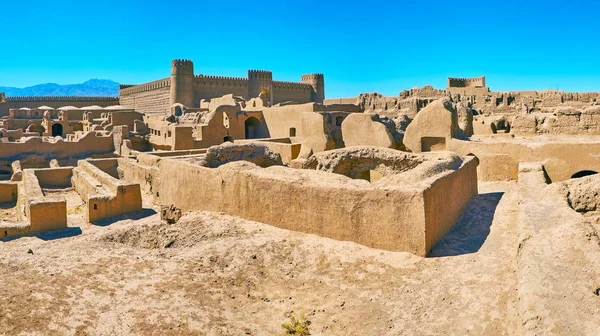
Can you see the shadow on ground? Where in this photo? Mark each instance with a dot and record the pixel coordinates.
(50, 235)
(471, 229)
(138, 215)
(9, 205)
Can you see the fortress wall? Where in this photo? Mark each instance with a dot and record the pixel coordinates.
(289, 91)
(148, 98)
(207, 87)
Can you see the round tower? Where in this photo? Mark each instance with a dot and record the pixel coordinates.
(182, 83)
(259, 80)
(317, 81)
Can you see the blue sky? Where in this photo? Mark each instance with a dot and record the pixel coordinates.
(363, 46)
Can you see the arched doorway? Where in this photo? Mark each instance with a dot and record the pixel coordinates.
(584, 173)
(57, 130)
(32, 128)
(251, 126)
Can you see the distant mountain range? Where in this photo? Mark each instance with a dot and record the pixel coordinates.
(93, 87)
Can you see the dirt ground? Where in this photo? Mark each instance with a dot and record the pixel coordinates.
(214, 274)
(8, 212)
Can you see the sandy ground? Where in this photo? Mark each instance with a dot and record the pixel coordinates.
(8, 212)
(213, 274)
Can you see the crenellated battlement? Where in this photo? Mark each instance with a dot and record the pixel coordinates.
(311, 77)
(200, 77)
(260, 74)
(125, 89)
(219, 81)
(182, 63)
(466, 79)
(182, 68)
(466, 82)
(292, 86)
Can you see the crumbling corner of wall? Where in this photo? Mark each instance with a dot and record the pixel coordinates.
(170, 213)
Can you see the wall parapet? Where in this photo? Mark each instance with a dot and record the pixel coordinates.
(466, 82)
(198, 77)
(291, 86)
(159, 84)
(202, 80)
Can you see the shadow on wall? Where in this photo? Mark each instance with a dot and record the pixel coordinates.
(50, 235)
(471, 229)
(584, 173)
(137, 215)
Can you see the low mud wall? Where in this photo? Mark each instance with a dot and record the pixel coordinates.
(105, 195)
(8, 192)
(558, 256)
(326, 204)
(499, 160)
(43, 212)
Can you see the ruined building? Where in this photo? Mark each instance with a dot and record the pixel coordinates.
(467, 86)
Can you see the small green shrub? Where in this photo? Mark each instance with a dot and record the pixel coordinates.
(297, 326)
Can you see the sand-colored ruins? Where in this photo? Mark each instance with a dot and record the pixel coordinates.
(413, 178)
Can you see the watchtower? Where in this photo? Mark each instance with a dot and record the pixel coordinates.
(182, 83)
(259, 80)
(317, 81)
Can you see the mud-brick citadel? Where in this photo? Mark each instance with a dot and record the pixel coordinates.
(428, 172)
(187, 88)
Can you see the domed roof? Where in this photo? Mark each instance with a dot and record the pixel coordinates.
(68, 108)
(93, 107)
(44, 107)
(24, 109)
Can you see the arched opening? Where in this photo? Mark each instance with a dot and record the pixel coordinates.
(57, 130)
(178, 111)
(292, 132)
(339, 120)
(228, 138)
(32, 128)
(251, 126)
(584, 173)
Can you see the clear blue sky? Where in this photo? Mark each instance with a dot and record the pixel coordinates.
(366, 46)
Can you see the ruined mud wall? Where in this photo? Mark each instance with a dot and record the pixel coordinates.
(89, 144)
(564, 120)
(499, 159)
(387, 218)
